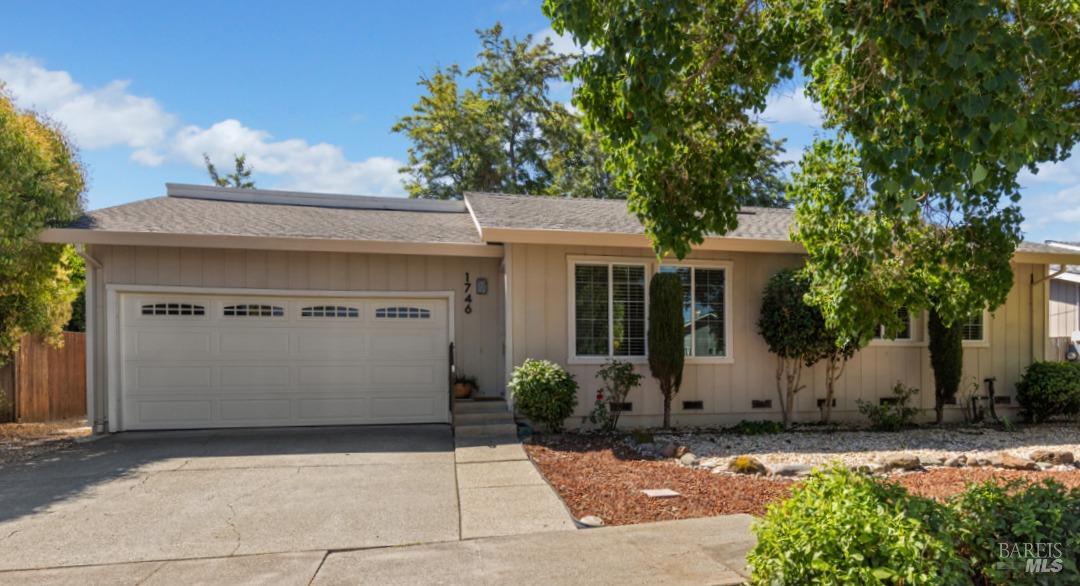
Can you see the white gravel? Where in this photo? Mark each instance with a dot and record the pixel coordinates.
(855, 448)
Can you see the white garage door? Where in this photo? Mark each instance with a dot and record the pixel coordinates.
(192, 361)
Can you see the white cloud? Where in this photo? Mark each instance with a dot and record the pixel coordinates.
(95, 118)
(1061, 172)
(792, 107)
(111, 116)
(300, 164)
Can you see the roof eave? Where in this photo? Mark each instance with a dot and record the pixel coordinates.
(84, 236)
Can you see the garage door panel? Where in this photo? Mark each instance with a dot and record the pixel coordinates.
(151, 377)
(391, 407)
(252, 375)
(232, 365)
(182, 413)
(265, 344)
(329, 345)
(243, 411)
(335, 408)
(332, 375)
(403, 374)
(169, 344)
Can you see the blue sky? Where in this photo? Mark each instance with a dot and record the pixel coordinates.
(309, 91)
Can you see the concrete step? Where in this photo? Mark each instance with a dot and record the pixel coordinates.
(469, 406)
(485, 430)
(482, 418)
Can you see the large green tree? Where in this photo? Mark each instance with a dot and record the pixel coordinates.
(41, 185)
(936, 106)
(496, 128)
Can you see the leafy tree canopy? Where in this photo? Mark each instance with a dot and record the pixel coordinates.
(936, 107)
(41, 185)
(502, 131)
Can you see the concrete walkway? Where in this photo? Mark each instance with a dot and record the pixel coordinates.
(694, 551)
(500, 492)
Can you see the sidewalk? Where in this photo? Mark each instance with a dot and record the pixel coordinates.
(693, 551)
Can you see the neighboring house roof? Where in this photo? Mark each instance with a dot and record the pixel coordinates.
(516, 212)
(207, 216)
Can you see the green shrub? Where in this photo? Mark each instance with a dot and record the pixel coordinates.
(892, 416)
(989, 515)
(619, 379)
(841, 527)
(764, 427)
(544, 392)
(1049, 389)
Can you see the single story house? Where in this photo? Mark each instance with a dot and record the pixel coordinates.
(1064, 302)
(217, 307)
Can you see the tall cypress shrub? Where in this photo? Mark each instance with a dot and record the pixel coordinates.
(947, 359)
(666, 352)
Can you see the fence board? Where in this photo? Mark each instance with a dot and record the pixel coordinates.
(50, 383)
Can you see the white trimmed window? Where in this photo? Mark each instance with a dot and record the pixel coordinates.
(906, 331)
(609, 300)
(706, 309)
(973, 329)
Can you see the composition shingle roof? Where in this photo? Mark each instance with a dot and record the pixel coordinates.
(494, 210)
(181, 215)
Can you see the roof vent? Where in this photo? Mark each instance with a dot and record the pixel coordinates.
(321, 200)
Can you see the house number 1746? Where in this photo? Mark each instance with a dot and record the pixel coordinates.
(468, 293)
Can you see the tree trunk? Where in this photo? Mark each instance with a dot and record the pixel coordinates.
(830, 385)
(667, 408)
(780, 389)
(939, 407)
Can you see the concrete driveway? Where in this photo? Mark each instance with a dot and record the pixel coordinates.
(180, 495)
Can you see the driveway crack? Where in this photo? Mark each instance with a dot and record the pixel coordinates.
(236, 532)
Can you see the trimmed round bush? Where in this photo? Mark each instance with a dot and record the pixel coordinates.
(544, 392)
(1049, 389)
(841, 527)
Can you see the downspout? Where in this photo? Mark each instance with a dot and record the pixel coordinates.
(1031, 303)
(98, 424)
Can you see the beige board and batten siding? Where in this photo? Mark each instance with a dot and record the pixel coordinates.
(539, 314)
(478, 335)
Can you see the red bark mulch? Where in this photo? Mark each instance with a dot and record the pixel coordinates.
(602, 477)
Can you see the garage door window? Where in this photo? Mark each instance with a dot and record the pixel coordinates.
(402, 313)
(330, 311)
(249, 310)
(173, 309)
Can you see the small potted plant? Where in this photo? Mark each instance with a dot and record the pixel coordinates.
(464, 386)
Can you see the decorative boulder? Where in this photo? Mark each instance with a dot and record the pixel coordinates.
(681, 451)
(1011, 462)
(1056, 457)
(901, 462)
(790, 470)
(668, 450)
(688, 459)
(591, 521)
(956, 461)
(746, 465)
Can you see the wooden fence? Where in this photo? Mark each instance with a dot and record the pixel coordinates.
(42, 383)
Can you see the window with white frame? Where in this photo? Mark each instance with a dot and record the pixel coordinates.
(973, 328)
(704, 309)
(609, 309)
(905, 332)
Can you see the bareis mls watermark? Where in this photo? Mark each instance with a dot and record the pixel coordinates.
(1034, 558)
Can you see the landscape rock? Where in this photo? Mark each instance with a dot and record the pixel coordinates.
(935, 461)
(746, 465)
(667, 450)
(591, 521)
(681, 451)
(791, 470)
(709, 463)
(1053, 456)
(688, 459)
(901, 462)
(1045, 465)
(956, 461)
(1012, 462)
